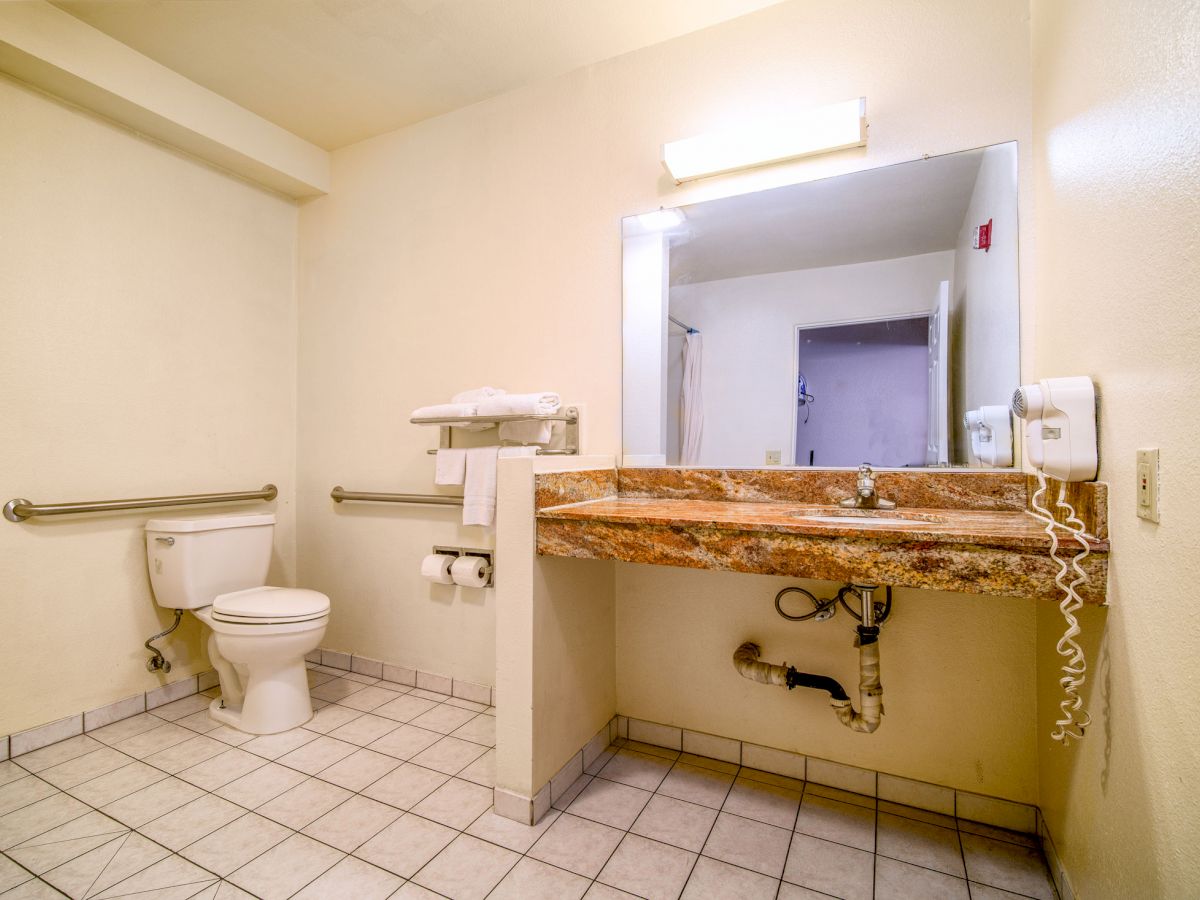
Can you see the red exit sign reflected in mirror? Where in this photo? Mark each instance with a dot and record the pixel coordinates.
(983, 236)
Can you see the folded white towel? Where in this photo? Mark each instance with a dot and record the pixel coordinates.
(451, 466)
(444, 411)
(479, 495)
(477, 394)
(540, 404)
(531, 432)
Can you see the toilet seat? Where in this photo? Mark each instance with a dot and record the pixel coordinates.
(269, 606)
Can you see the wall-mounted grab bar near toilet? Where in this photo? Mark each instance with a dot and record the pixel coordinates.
(339, 494)
(20, 509)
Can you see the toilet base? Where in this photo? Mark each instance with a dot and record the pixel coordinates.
(261, 668)
(233, 718)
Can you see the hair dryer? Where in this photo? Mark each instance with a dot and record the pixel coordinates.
(1060, 438)
(1060, 426)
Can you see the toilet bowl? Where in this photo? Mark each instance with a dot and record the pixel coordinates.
(258, 635)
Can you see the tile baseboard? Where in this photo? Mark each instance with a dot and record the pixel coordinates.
(529, 810)
(994, 811)
(474, 691)
(40, 736)
(1058, 872)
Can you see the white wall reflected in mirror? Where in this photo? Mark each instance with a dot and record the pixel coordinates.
(840, 321)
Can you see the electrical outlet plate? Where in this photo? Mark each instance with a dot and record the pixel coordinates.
(774, 457)
(1147, 484)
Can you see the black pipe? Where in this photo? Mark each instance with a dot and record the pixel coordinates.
(820, 682)
(867, 634)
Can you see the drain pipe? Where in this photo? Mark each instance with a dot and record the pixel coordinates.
(870, 691)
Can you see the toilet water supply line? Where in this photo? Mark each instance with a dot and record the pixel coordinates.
(870, 691)
(1075, 719)
(159, 662)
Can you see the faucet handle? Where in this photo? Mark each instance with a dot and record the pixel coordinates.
(866, 478)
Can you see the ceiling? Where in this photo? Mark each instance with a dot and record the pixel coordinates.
(884, 213)
(338, 71)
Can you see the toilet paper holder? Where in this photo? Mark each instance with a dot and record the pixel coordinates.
(487, 556)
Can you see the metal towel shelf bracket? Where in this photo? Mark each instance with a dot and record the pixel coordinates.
(20, 509)
(569, 415)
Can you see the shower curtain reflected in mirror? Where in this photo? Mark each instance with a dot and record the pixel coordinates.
(691, 400)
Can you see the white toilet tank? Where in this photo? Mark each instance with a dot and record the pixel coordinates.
(194, 560)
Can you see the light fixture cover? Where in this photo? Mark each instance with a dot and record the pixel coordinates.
(819, 129)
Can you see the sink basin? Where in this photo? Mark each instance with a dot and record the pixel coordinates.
(866, 517)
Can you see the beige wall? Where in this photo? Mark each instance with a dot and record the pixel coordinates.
(147, 348)
(483, 247)
(957, 673)
(1117, 227)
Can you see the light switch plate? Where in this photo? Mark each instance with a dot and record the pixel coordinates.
(774, 457)
(1147, 484)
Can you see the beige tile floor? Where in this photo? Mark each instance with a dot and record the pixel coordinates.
(387, 793)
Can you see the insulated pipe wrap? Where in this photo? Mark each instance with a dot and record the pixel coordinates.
(745, 660)
(870, 691)
(870, 694)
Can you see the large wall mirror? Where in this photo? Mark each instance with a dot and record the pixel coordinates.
(863, 318)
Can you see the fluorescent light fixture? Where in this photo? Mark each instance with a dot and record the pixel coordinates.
(660, 220)
(820, 129)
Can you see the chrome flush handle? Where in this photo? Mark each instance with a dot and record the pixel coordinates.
(169, 541)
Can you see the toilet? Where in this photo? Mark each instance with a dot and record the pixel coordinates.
(216, 566)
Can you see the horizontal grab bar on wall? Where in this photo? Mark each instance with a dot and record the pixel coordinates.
(20, 509)
(339, 494)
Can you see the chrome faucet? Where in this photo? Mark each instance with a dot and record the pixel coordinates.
(864, 494)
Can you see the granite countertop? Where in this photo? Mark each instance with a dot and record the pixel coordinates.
(989, 528)
(968, 533)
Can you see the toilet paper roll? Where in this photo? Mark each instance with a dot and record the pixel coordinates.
(436, 567)
(469, 571)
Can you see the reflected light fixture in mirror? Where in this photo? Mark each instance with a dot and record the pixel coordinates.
(660, 220)
(821, 129)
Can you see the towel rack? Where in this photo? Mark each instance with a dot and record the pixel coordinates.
(339, 494)
(569, 415)
(19, 509)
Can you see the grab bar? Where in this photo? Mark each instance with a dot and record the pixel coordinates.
(20, 509)
(339, 494)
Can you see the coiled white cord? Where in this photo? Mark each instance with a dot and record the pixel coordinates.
(1075, 719)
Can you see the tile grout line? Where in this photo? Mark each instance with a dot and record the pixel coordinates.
(875, 849)
(716, 818)
(792, 837)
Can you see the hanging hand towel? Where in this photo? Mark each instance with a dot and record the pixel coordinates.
(479, 495)
(451, 466)
(509, 452)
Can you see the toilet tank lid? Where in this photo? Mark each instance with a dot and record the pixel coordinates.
(271, 603)
(210, 523)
